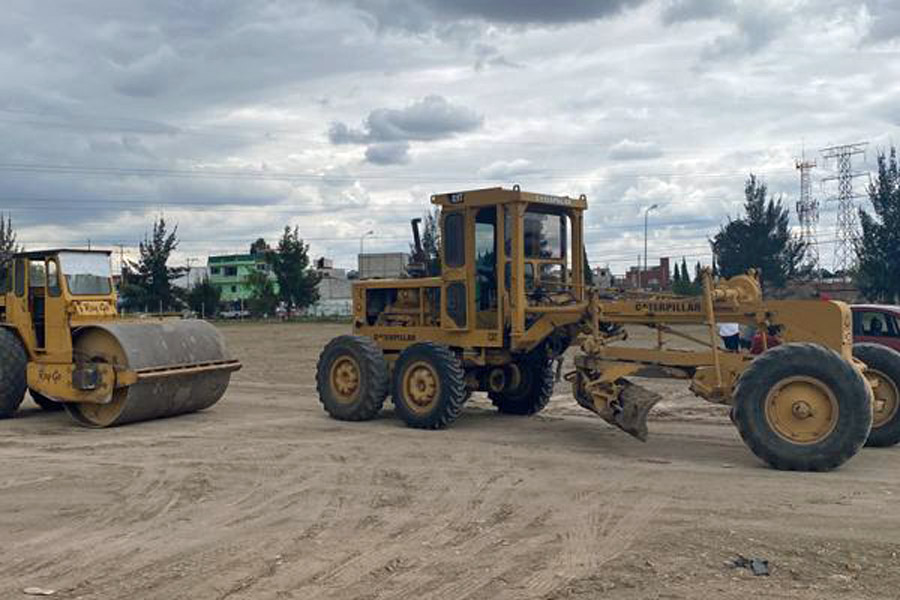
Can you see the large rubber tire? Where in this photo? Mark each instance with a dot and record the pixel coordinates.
(352, 378)
(534, 390)
(44, 402)
(885, 362)
(824, 372)
(429, 387)
(13, 368)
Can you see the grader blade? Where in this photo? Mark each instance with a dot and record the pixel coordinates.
(631, 411)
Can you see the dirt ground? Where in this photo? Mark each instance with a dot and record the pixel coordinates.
(264, 497)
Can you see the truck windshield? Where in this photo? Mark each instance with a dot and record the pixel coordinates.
(86, 273)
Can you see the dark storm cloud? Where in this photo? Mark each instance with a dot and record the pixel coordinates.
(388, 131)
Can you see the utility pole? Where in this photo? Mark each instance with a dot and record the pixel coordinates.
(808, 213)
(189, 260)
(847, 231)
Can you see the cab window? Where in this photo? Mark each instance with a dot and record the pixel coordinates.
(454, 240)
(53, 278)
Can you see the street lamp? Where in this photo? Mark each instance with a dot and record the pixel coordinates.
(362, 239)
(646, 212)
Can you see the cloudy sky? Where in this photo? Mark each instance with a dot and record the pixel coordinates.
(234, 118)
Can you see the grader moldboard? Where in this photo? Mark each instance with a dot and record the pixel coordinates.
(511, 297)
(61, 338)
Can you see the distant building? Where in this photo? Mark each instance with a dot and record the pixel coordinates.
(229, 273)
(386, 265)
(603, 277)
(192, 277)
(335, 291)
(654, 278)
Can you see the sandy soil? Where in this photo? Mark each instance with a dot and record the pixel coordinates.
(264, 497)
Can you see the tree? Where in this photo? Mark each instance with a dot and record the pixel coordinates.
(204, 298)
(263, 299)
(878, 250)
(676, 277)
(684, 286)
(761, 239)
(297, 282)
(8, 244)
(260, 246)
(148, 284)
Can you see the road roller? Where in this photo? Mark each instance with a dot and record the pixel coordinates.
(63, 340)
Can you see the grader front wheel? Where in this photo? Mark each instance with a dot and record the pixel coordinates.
(802, 407)
(352, 378)
(883, 365)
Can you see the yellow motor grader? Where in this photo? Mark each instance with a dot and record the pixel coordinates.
(62, 339)
(511, 297)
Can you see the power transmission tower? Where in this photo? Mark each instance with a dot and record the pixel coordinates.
(847, 230)
(808, 214)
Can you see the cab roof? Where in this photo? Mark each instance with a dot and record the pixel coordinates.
(53, 251)
(499, 195)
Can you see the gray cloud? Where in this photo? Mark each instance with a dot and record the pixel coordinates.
(885, 15)
(388, 153)
(431, 118)
(425, 15)
(680, 11)
(755, 24)
(388, 131)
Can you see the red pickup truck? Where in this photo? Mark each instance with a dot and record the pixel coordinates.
(877, 323)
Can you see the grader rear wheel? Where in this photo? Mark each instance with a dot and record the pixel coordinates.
(534, 389)
(802, 407)
(429, 387)
(883, 365)
(352, 378)
(13, 365)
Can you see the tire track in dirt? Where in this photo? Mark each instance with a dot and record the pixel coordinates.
(600, 537)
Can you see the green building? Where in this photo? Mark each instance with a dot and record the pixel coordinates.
(229, 273)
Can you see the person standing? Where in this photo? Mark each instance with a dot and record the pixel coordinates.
(731, 336)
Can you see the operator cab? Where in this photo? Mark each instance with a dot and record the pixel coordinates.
(35, 281)
(506, 254)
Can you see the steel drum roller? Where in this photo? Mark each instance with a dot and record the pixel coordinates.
(167, 349)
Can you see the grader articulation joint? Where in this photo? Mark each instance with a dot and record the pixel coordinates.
(511, 297)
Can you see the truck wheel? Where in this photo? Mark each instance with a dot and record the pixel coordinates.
(44, 402)
(352, 378)
(802, 407)
(884, 365)
(13, 367)
(429, 388)
(534, 390)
